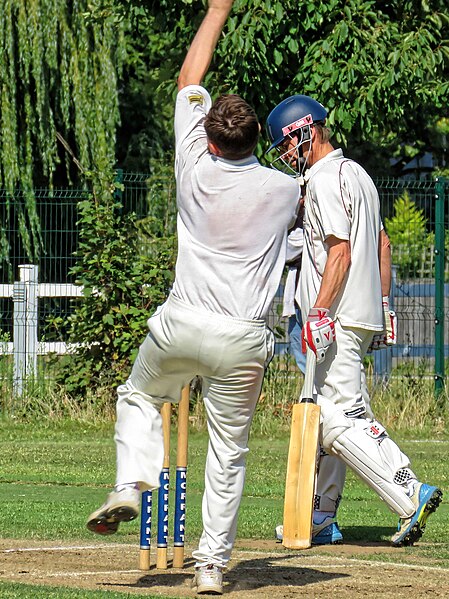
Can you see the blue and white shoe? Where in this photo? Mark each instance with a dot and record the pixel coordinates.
(327, 533)
(426, 500)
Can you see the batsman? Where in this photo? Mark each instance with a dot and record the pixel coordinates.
(344, 305)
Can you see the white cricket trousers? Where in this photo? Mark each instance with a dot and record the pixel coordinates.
(230, 355)
(340, 381)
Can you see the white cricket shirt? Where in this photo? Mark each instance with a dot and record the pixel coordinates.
(233, 219)
(342, 200)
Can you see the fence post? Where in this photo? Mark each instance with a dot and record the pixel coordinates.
(439, 284)
(19, 336)
(29, 274)
(25, 298)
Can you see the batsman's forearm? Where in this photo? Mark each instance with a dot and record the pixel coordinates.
(337, 265)
(200, 53)
(385, 263)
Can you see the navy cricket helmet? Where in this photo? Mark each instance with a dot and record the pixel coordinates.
(292, 114)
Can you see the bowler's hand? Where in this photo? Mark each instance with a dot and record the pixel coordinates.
(221, 4)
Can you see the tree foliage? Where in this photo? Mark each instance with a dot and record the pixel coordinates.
(58, 102)
(58, 79)
(121, 288)
(86, 85)
(381, 68)
(410, 239)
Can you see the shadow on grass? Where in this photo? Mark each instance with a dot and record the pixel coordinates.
(250, 574)
(367, 535)
(257, 573)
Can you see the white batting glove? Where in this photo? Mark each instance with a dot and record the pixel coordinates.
(318, 333)
(389, 334)
(391, 322)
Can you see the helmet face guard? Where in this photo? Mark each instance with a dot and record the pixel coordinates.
(290, 159)
(292, 119)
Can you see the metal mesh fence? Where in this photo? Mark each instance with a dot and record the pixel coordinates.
(414, 214)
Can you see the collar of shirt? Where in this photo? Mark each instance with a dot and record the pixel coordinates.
(334, 155)
(248, 161)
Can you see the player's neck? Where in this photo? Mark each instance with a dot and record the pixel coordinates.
(318, 152)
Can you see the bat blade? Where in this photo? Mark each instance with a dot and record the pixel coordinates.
(301, 465)
(300, 482)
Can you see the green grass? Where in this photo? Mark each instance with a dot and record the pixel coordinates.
(52, 478)
(25, 591)
(54, 475)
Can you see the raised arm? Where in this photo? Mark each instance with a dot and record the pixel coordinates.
(200, 53)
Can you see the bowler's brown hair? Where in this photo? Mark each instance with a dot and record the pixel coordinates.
(232, 125)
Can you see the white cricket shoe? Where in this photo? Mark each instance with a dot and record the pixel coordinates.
(208, 580)
(120, 506)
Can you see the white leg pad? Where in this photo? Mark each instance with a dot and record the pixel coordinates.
(366, 448)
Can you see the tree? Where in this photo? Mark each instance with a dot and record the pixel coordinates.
(121, 286)
(381, 68)
(58, 104)
(410, 239)
(59, 84)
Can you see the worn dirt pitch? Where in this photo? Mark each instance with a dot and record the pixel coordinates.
(259, 569)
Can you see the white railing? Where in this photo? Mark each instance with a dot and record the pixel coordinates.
(25, 347)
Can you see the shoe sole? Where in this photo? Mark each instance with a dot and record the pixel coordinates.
(319, 542)
(315, 541)
(209, 590)
(326, 542)
(107, 523)
(417, 529)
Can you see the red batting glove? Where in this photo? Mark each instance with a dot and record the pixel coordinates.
(318, 332)
(314, 315)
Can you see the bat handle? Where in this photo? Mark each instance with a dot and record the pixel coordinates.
(309, 377)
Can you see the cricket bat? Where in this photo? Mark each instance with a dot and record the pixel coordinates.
(301, 465)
